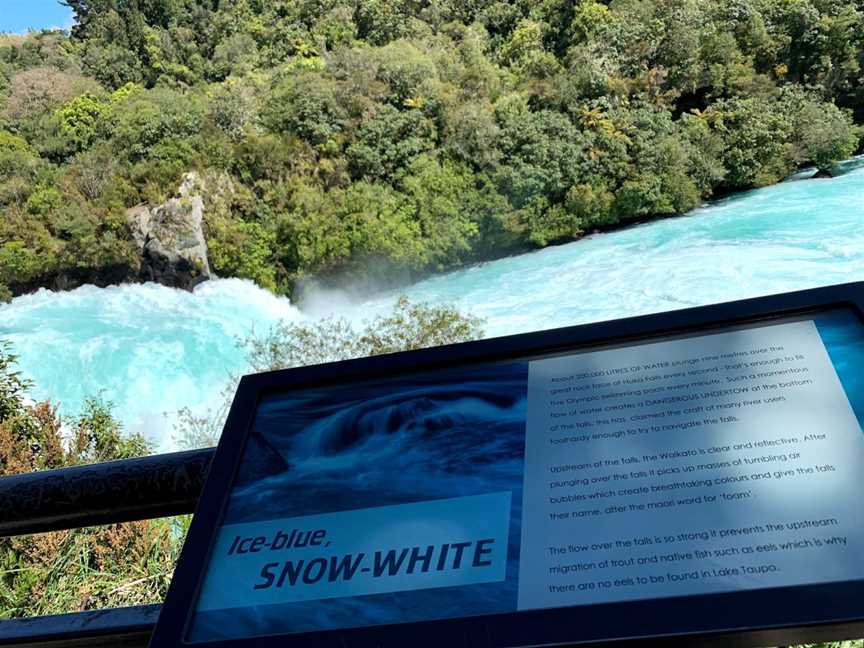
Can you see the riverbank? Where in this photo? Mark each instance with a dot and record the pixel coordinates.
(360, 151)
(314, 294)
(151, 349)
(169, 247)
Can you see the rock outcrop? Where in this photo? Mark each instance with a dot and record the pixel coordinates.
(171, 239)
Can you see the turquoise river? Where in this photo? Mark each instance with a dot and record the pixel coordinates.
(152, 350)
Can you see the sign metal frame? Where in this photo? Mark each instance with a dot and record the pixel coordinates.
(746, 618)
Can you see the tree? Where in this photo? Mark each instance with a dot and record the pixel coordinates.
(446, 204)
(360, 233)
(236, 54)
(381, 21)
(471, 134)
(544, 153)
(145, 121)
(524, 51)
(20, 263)
(305, 105)
(20, 169)
(234, 107)
(38, 90)
(824, 135)
(81, 118)
(387, 141)
(237, 248)
(756, 139)
(406, 70)
(659, 178)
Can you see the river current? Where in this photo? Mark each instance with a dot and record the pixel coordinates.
(152, 350)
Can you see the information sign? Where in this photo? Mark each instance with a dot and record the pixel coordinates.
(683, 474)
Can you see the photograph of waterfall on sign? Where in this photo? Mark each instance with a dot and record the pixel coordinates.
(438, 436)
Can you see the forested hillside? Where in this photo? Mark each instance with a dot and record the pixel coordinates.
(388, 138)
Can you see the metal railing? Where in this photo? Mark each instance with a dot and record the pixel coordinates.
(106, 493)
(161, 486)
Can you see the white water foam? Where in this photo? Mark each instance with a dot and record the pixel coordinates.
(152, 350)
(148, 349)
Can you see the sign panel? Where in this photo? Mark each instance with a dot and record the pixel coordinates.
(720, 462)
(554, 477)
(437, 543)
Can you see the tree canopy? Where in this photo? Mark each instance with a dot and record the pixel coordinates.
(386, 138)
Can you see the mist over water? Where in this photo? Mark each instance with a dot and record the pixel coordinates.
(152, 350)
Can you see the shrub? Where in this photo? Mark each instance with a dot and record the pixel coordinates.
(80, 569)
(305, 105)
(146, 120)
(81, 119)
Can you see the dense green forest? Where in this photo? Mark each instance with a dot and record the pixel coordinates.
(374, 139)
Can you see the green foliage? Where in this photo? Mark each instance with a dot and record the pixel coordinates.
(544, 154)
(144, 121)
(81, 118)
(757, 141)
(242, 249)
(236, 54)
(446, 208)
(471, 135)
(367, 229)
(98, 436)
(382, 21)
(82, 569)
(386, 142)
(305, 105)
(10, 143)
(43, 201)
(233, 108)
(18, 263)
(406, 70)
(824, 135)
(406, 327)
(13, 387)
(390, 139)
